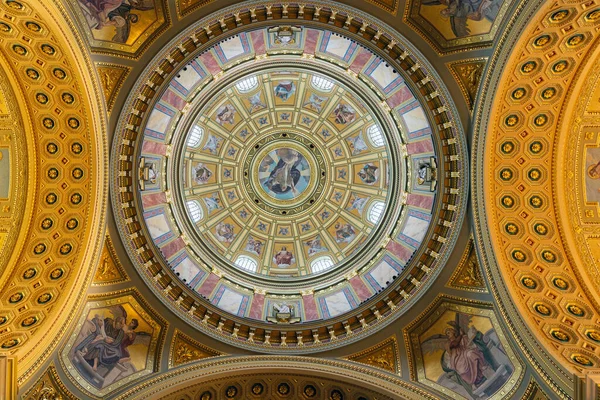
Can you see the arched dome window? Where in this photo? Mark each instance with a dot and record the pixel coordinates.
(246, 85)
(195, 210)
(376, 211)
(322, 84)
(247, 263)
(321, 264)
(375, 136)
(195, 136)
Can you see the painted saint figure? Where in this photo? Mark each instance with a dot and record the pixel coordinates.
(369, 174)
(283, 258)
(284, 177)
(474, 363)
(460, 11)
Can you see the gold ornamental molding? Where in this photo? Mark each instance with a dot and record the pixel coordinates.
(49, 387)
(109, 271)
(384, 355)
(523, 242)
(60, 238)
(342, 371)
(467, 74)
(112, 77)
(186, 350)
(468, 274)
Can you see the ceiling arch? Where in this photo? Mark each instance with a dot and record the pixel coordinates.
(519, 148)
(59, 236)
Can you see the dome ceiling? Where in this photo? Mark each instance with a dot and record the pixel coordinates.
(286, 175)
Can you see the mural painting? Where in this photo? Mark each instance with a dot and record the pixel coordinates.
(114, 342)
(452, 24)
(284, 173)
(458, 349)
(122, 25)
(592, 175)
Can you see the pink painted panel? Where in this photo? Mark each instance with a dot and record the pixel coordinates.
(311, 41)
(210, 63)
(402, 95)
(360, 288)
(360, 60)
(173, 99)
(310, 307)
(154, 148)
(208, 285)
(399, 251)
(256, 308)
(173, 247)
(422, 146)
(150, 200)
(258, 41)
(419, 200)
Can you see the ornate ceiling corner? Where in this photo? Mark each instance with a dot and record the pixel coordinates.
(384, 355)
(184, 7)
(467, 74)
(452, 331)
(468, 275)
(49, 387)
(110, 271)
(449, 28)
(534, 392)
(126, 30)
(391, 6)
(185, 350)
(112, 77)
(123, 317)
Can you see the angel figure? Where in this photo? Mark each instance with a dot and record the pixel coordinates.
(460, 11)
(470, 359)
(117, 13)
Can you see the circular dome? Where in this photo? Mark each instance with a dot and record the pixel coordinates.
(275, 184)
(280, 169)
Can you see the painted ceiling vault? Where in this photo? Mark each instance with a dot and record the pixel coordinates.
(358, 199)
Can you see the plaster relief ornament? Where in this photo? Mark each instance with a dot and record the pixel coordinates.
(474, 363)
(147, 173)
(344, 114)
(202, 174)
(226, 115)
(369, 174)
(283, 314)
(284, 258)
(285, 89)
(426, 173)
(315, 102)
(285, 35)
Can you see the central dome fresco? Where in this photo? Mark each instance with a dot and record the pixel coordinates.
(276, 181)
(285, 172)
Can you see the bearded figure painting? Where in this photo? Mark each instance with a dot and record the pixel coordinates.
(473, 361)
(111, 345)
